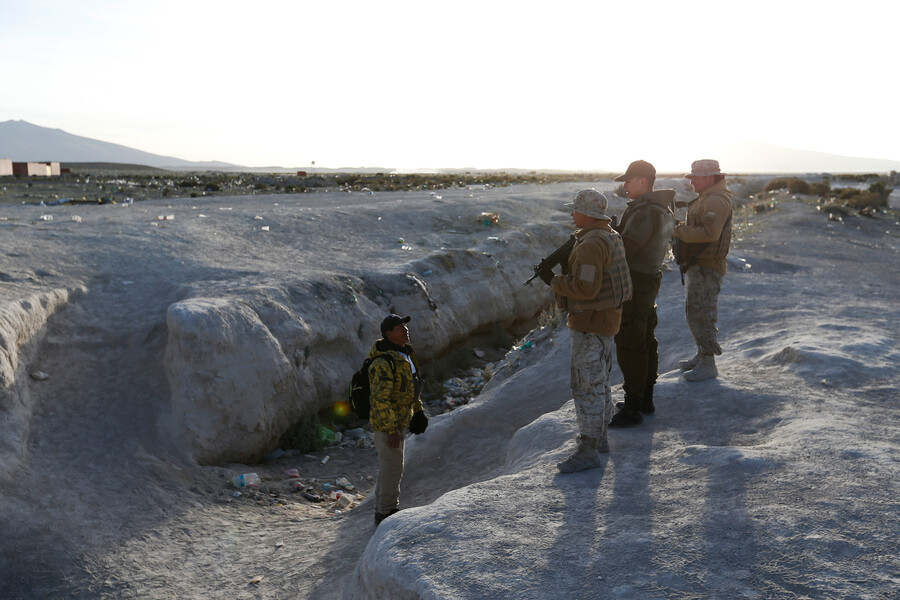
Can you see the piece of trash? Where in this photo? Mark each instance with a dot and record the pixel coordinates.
(489, 218)
(292, 473)
(312, 497)
(279, 544)
(345, 500)
(224, 208)
(258, 218)
(326, 487)
(128, 201)
(405, 247)
(265, 227)
(338, 436)
(256, 579)
(39, 375)
(245, 480)
(344, 483)
(478, 353)
(45, 218)
(235, 494)
(325, 460)
(426, 272)
(201, 216)
(165, 218)
(400, 240)
(77, 219)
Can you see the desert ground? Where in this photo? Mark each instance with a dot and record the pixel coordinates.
(779, 479)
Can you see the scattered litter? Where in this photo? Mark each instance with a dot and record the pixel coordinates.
(265, 227)
(427, 272)
(258, 218)
(45, 218)
(344, 483)
(77, 219)
(256, 579)
(400, 240)
(245, 480)
(496, 240)
(165, 218)
(345, 500)
(312, 497)
(489, 218)
(127, 201)
(224, 208)
(292, 473)
(405, 247)
(202, 216)
(279, 544)
(39, 375)
(235, 494)
(325, 460)
(478, 353)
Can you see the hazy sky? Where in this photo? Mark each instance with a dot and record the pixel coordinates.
(579, 85)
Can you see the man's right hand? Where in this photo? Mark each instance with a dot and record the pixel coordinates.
(394, 440)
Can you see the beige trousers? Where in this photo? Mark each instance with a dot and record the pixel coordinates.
(390, 471)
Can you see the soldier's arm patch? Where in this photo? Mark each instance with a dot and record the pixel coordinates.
(587, 273)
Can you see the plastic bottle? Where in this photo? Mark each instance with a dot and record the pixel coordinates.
(245, 480)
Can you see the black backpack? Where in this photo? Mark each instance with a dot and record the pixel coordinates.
(359, 388)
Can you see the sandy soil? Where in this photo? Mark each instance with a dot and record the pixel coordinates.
(105, 506)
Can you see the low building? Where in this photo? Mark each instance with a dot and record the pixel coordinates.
(35, 169)
(6, 167)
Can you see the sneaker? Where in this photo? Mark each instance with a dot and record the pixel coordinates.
(626, 418)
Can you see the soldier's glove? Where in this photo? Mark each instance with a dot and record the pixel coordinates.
(545, 274)
(419, 423)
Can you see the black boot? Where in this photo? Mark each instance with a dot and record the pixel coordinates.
(647, 401)
(630, 414)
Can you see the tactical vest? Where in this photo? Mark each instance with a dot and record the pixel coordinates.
(616, 287)
(718, 249)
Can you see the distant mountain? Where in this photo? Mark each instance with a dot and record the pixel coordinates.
(759, 157)
(22, 141)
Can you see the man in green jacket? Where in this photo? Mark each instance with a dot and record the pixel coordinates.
(395, 383)
(646, 228)
(706, 237)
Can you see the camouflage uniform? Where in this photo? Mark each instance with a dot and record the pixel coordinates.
(707, 238)
(702, 287)
(593, 291)
(591, 364)
(394, 397)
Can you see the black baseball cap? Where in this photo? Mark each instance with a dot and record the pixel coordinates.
(392, 321)
(639, 168)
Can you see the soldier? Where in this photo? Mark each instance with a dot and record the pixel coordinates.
(395, 384)
(596, 284)
(646, 227)
(705, 237)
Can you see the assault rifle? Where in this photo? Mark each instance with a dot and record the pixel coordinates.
(560, 256)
